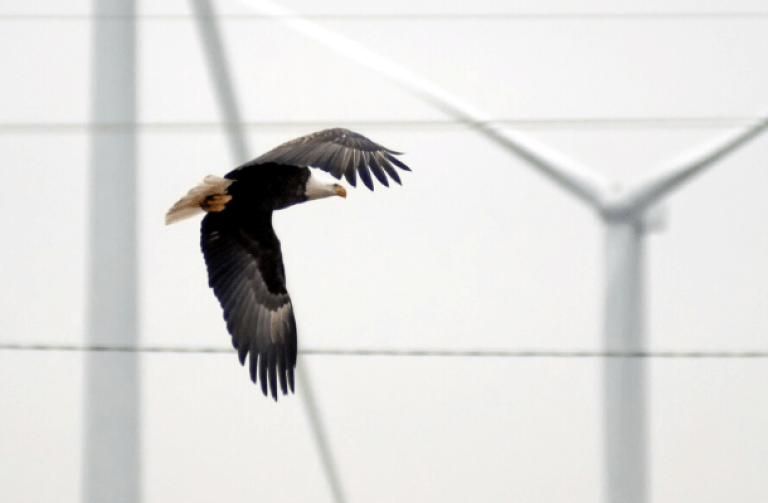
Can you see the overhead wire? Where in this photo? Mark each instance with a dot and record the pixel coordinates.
(464, 353)
(416, 17)
(421, 124)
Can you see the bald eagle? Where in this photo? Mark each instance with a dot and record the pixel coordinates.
(242, 252)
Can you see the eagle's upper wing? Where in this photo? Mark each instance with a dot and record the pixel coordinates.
(339, 152)
(245, 270)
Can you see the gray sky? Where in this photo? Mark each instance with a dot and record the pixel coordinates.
(474, 251)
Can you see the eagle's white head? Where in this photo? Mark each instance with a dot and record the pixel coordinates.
(317, 189)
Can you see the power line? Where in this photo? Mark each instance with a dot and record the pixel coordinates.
(437, 124)
(699, 354)
(412, 17)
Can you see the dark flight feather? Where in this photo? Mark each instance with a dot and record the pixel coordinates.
(245, 270)
(339, 152)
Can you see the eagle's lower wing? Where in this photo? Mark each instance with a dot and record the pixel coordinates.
(245, 270)
(339, 152)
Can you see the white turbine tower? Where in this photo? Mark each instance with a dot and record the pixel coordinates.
(112, 452)
(626, 214)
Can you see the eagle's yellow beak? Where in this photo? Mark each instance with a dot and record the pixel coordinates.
(341, 192)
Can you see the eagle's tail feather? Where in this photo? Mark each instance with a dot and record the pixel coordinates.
(209, 195)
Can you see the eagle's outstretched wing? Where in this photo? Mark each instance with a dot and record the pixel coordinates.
(245, 270)
(340, 152)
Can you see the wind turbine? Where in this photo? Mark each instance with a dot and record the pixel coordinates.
(628, 215)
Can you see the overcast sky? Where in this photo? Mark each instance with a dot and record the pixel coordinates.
(475, 251)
